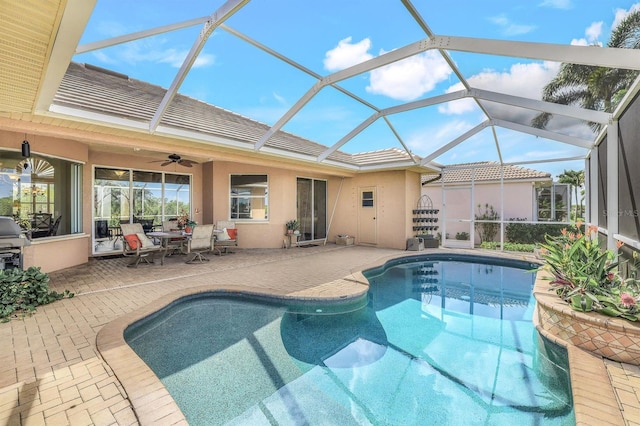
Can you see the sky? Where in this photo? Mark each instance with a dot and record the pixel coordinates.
(332, 35)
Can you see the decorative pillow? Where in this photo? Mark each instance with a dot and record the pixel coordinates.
(144, 240)
(223, 236)
(233, 233)
(132, 241)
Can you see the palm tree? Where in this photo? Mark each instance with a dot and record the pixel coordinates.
(591, 87)
(575, 179)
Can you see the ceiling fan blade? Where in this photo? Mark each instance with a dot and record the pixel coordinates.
(166, 163)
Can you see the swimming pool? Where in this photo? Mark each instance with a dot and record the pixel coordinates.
(437, 340)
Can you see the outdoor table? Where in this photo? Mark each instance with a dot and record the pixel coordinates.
(165, 238)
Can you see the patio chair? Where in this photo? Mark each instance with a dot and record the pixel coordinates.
(55, 226)
(201, 241)
(137, 245)
(226, 237)
(41, 225)
(102, 232)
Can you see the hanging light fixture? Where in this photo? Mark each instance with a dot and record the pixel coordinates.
(26, 149)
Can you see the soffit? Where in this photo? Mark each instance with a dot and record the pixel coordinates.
(26, 39)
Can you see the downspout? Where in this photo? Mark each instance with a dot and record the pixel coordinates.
(333, 212)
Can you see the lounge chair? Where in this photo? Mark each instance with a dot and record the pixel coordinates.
(226, 236)
(137, 245)
(201, 241)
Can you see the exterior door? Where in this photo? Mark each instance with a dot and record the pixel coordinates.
(367, 227)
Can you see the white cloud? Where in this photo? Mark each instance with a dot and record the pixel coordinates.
(526, 80)
(557, 4)
(346, 54)
(592, 34)
(280, 99)
(153, 51)
(410, 78)
(620, 14)
(404, 80)
(594, 31)
(510, 28)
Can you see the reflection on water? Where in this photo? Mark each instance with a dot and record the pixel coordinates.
(440, 340)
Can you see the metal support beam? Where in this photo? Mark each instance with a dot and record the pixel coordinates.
(613, 208)
(101, 44)
(550, 107)
(591, 181)
(585, 55)
(217, 18)
(455, 142)
(582, 143)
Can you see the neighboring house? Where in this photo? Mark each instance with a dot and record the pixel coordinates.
(463, 191)
(93, 175)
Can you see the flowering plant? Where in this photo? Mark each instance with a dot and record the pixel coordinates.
(586, 277)
(183, 220)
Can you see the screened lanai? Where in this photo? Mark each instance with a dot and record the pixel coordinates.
(356, 78)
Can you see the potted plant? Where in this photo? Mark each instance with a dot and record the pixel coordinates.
(594, 307)
(587, 277)
(292, 226)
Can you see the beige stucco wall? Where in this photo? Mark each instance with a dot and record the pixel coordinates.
(397, 193)
(61, 252)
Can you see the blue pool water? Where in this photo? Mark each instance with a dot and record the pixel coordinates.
(436, 341)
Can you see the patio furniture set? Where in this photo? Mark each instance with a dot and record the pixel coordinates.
(143, 246)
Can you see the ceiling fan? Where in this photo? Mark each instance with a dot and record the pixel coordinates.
(175, 158)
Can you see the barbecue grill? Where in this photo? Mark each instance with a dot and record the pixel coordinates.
(12, 241)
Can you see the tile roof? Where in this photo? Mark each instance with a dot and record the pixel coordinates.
(485, 171)
(381, 156)
(102, 91)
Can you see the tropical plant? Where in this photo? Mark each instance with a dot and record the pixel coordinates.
(592, 87)
(575, 179)
(586, 277)
(24, 290)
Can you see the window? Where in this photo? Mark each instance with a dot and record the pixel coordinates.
(125, 196)
(367, 199)
(552, 202)
(43, 191)
(249, 199)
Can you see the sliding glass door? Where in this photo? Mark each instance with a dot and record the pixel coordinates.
(312, 209)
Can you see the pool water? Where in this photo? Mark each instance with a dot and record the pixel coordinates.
(436, 341)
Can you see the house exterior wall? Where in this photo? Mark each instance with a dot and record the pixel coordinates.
(397, 194)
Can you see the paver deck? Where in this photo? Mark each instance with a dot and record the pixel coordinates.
(51, 371)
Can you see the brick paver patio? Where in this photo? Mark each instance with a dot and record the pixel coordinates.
(51, 371)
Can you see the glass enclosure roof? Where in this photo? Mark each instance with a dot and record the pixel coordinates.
(263, 58)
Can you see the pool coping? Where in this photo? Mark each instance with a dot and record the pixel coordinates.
(152, 403)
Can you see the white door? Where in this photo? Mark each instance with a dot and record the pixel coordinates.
(367, 228)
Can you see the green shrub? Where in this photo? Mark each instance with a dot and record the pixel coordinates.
(530, 233)
(462, 236)
(487, 230)
(24, 290)
(524, 248)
